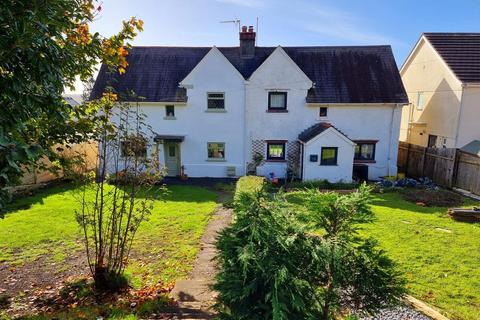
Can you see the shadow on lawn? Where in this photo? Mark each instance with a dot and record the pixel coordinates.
(171, 193)
(26, 201)
(394, 200)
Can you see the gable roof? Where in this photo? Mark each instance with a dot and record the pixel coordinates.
(359, 74)
(460, 51)
(313, 131)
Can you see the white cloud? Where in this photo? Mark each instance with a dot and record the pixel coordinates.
(337, 24)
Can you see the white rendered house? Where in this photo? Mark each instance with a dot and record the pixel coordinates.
(308, 112)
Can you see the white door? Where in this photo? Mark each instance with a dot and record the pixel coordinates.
(172, 158)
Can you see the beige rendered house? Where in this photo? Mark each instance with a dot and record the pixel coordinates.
(442, 79)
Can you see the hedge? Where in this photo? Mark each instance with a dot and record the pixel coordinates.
(249, 184)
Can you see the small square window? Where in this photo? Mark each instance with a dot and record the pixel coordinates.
(364, 151)
(170, 111)
(277, 100)
(323, 111)
(420, 101)
(216, 150)
(329, 156)
(216, 100)
(276, 151)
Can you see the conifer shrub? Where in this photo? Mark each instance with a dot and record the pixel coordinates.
(278, 263)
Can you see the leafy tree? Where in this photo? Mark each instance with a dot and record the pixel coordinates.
(111, 213)
(45, 45)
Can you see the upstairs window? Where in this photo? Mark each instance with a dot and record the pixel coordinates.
(365, 151)
(170, 111)
(276, 151)
(216, 101)
(216, 150)
(323, 112)
(329, 156)
(420, 100)
(277, 101)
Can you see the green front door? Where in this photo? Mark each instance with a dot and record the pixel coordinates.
(172, 158)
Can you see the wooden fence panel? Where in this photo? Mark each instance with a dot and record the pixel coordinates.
(415, 161)
(447, 167)
(439, 165)
(468, 172)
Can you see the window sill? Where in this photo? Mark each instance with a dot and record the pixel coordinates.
(277, 111)
(216, 160)
(169, 118)
(364, 161)
(328, 165)
(276, 160)
(216, 111)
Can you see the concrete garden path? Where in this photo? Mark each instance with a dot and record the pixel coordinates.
(194, 296)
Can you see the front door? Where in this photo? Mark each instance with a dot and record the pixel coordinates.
(172, 158)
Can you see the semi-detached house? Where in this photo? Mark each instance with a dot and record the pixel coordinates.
(310, 112)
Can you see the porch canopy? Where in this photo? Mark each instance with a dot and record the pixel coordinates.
(167, 137)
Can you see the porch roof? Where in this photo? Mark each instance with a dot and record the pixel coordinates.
(315, 130)
(173, 138)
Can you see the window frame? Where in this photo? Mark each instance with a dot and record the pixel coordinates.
(208, 151)
(359, 145)
(215, 98)
(284, 149)
(420, 98)
(166, 111)
(320, 112)
(284, 94)
(322, 161)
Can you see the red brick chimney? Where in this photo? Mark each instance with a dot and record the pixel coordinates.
(247, 42)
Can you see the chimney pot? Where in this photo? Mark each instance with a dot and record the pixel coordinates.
(244, 28)
(250, 28)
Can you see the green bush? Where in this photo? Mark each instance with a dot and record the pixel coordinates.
(323, 184)
(248, 184)
(266, 260)
(276, 263)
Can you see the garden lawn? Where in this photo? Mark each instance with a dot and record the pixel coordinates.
(439, 256)
(44, 225)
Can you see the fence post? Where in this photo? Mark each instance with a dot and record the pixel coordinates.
(406, 159)
(456, 159)
(424, 157)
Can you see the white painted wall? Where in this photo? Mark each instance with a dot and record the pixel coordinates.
(213, 74)
(342, 171)
(469, 127)
(358, 122)
(246, 117)
(426, 72)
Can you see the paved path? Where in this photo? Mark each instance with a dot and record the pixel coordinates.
(194, 295)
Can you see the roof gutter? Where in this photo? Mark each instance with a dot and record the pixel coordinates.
(471, 85)
(349, 104)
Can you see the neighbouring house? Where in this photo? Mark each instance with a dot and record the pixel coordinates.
(442, 79)
(306, 112)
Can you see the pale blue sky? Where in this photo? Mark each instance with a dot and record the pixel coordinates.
(301, 23)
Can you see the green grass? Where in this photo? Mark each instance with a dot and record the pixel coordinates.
(441, 267)
(44, 226)
(438, 256)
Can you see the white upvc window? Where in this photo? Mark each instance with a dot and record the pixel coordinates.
(420, 100)
(216, 101)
